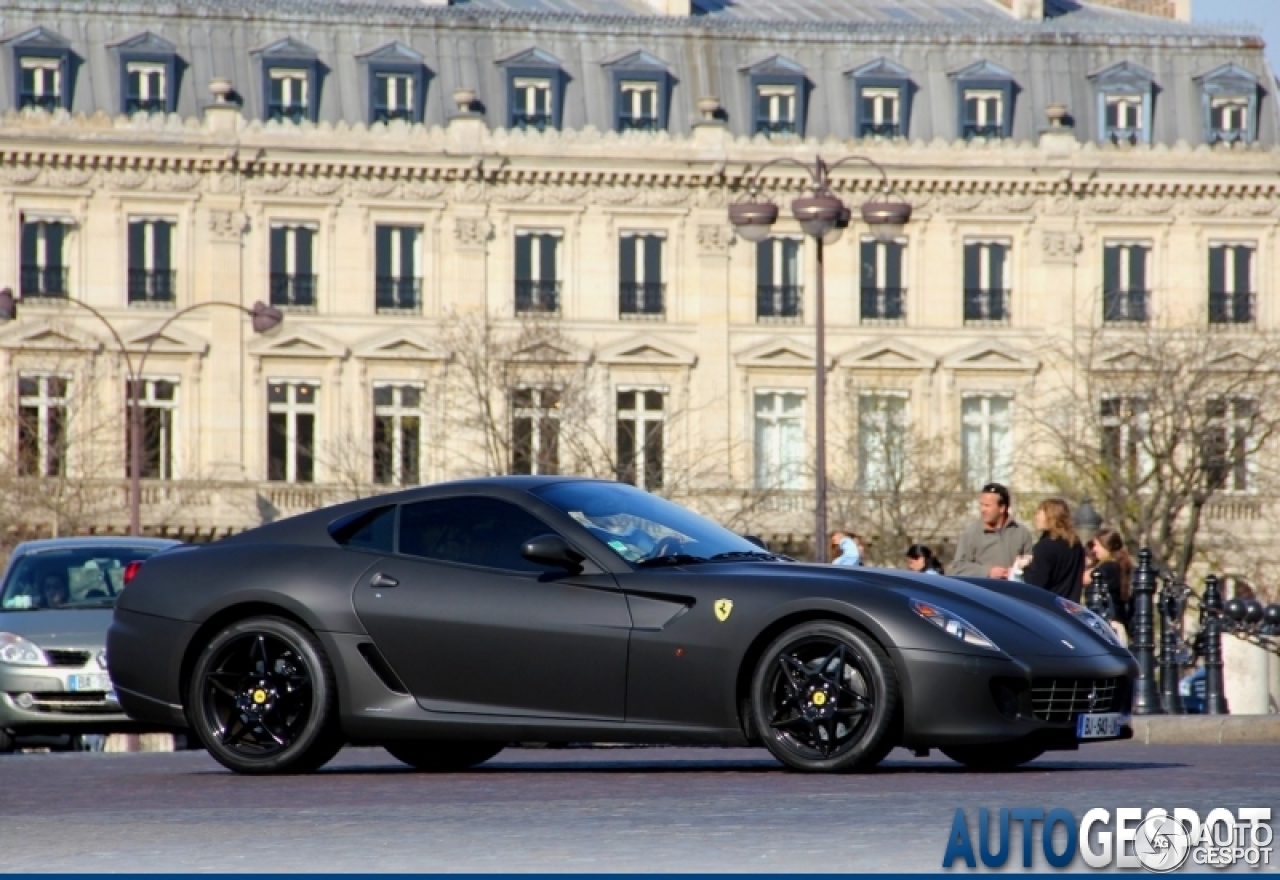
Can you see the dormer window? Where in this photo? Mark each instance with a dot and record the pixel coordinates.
(289, 81)
(42, 70)
(1230, 96)
(148, 74)
(535, 90)
(638, 105)
(1124, 103)
(147, 91)
(397, 83)
(777, 93)
(641, 84)
(881, 92)
(984, 96)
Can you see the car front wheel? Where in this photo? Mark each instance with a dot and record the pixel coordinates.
(262, 698)
(824, 698)
(443, 756)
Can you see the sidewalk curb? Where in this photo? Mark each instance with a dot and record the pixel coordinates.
(1206, 729)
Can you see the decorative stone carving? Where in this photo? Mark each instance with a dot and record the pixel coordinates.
(130, 178)
(268, 185)
(472, 232)
(715, 239)
(180, 181)
(227, 225)
(377, 187)
(70, 178)
(422, 190)
(1061, 247)
(19, 174)
(470, 191)
(320, 186)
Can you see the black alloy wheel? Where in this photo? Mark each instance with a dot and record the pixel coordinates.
(443, 756)
(994, 758)
(262, 698)
(824, 698)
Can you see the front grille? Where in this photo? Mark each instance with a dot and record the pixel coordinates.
(1063, 699)
(71, 704)
(74, 659)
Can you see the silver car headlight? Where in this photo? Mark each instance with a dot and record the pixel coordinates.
(1091, 620)
(952, 624)
(20, 652)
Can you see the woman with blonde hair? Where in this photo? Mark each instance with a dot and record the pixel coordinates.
(1057, 559)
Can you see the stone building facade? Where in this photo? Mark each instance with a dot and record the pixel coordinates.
(403, 179)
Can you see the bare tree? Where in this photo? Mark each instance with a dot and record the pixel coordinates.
(1159, 425)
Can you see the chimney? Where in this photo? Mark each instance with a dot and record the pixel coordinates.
(1025, 10)
(1180, 10)
(682, 8)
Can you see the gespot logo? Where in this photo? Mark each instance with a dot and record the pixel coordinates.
(1158, 840)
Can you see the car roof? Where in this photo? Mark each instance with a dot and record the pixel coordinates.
(90, 542)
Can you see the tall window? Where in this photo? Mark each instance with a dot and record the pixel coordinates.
(641, 424)
(151, 275)
(158, 399)
(1125, 293)
(882, 439)
(537, 271)
(1231, 421)
(1124, 422)
(778, 285)
(289, 97)
(291, 431)
(535, 431)
(1124, 119)
(397, 273)
(41, 82)
(986, 438)
(986, 281)
(397, 434)
(146, 89)
(779, 439)
(881, 111)
(884, 284)
(640, 288)
(44, 268)
(532, 102)
(638, 105)
(42, 425)
(293, 279)
(983, 113)
(394, 97)
(776, 109)
(1231, 282)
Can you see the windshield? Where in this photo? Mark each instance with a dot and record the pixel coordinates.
(641, 527)
(84, 577)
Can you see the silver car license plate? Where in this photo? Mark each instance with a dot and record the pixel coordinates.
(93, 681)
(1099, 725)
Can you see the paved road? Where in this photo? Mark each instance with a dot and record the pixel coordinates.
(623, 809)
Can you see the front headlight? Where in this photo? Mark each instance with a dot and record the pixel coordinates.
(952, 624)
(1091, 620)
(20, 652)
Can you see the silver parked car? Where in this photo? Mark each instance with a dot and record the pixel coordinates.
(55, 606)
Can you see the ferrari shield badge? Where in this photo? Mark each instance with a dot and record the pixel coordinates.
(724, 607)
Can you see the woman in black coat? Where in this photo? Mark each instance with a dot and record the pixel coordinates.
(1116, 567)
(1057, 559)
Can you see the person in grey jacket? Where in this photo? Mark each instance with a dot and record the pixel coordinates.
(989, 545)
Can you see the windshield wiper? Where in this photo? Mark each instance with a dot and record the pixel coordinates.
(749, 554)
(673, 559)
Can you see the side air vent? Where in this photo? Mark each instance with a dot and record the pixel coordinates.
(382, 668)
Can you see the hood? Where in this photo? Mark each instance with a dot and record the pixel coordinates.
(71, 628)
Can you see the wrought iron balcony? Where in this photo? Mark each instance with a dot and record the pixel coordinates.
(638, 123)
(1119, 135)
(642, 299)
(880, 129)
(37, 281)
(1120, 306)
(987, 130)
(986, 305)
(1231, 307)
(151, 285)
(775, 126)
(145, 105)
(884, 303)
(297, 291)
(288, 112)
(539, 121)
(1228, 135)
(778, 301)
(42, 102)
(387, 114)
(393, 294)
(537, 296)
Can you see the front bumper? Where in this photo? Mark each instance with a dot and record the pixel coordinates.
(962, 699)
(39, 699)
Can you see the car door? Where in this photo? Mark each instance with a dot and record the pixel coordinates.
(469, 625)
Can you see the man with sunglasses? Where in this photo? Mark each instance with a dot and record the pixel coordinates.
(989, 545)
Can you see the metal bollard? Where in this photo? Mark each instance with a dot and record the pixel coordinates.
(1097, 598)
(1215, 698)
(1146, 696)
(1170, 647)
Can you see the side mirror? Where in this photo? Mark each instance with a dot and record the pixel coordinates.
(757, 540)
(552, 550)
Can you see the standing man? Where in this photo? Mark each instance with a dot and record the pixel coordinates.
(989, 545)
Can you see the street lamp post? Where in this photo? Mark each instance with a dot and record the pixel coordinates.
(264, 317)
(823, 217)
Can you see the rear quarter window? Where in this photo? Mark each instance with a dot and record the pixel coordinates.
(372, 530)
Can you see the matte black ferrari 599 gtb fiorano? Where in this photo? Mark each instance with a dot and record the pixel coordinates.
(447, 621)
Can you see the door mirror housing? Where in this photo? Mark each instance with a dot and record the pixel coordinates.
(552, 550)
(757, 540)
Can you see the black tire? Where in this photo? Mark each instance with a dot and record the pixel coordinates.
(824, 699)
(994, 758)
(7, 742)
(262, 698)
(443, 756)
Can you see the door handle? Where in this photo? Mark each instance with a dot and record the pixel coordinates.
(383, 580)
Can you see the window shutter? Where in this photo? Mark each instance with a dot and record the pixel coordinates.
(163, 232)
(29, 81)
(790, 262)
(30, 236)
(137, 245)
(893, 265)
(1138, 267)
(53, 236)
(279, 250)
(972, 266)
(408, 252)
(627, 259)
(135, 84)
(998, 257)
(764, 263)
(302, 244)
(549, 245)
(382, 251)
(971, 110)
(1244, 260)
(869, 264)
(524, 257)
(277, 90)
(1218, 269)
(1110, 268)
(652, 259)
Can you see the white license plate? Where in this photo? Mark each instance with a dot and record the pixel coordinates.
(96, 681)
(1099, 725)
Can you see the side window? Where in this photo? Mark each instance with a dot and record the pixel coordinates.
(368, 530)
(472, 531)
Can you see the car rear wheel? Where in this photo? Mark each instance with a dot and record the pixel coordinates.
(995, 757)
(442, 756)
(262, 698)
(824, 698)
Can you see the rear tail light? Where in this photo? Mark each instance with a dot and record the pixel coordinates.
(131, 571)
